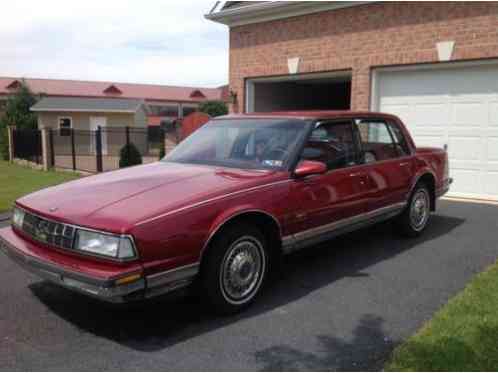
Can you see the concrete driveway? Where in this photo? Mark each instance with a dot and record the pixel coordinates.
(341, 306)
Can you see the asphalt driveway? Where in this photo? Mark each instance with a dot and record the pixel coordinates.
(342, 305)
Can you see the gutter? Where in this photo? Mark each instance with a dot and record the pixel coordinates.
(273, 10)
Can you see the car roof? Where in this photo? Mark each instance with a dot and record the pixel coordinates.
(309, 115)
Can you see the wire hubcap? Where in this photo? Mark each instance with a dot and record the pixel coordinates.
(419, 212)
(242, 270)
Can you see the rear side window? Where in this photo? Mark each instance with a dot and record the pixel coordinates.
(399, 140)
(332, 144)
(376, 141)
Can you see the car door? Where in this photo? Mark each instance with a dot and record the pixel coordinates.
(388, 164)
(327, 201)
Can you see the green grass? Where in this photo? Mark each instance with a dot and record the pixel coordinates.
(462, 336)
(16, 181)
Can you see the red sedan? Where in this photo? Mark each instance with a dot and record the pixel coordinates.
(232, 197)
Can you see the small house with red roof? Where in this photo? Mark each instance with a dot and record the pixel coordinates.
(78, 104)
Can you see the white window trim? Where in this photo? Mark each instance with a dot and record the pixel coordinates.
(65, 117)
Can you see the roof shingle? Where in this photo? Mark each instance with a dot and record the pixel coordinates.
(76, 88)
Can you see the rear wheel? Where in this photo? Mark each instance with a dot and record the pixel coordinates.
(235, 268)
(416, 216)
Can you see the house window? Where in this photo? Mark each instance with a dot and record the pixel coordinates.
(65, 126)
(164, 110)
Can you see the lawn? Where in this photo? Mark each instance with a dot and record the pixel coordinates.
(16, 181)
(462, 336)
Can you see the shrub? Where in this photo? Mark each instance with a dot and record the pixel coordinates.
(129, 156)
(214, 108)
(4, 143)
(17, 113)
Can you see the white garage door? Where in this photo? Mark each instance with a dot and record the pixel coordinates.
(457, 106)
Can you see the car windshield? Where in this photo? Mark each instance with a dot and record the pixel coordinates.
(241, 143)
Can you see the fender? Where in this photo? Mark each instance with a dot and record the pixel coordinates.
(230, 214)
(420, 173)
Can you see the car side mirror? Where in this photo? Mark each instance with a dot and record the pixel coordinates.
(308, 168)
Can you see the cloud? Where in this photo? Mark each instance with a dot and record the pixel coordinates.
(153, 41)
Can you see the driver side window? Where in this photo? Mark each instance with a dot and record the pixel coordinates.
(332, 144)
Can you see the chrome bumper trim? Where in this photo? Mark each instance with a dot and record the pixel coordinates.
(442, 191)
(102, 289)
(173, 279)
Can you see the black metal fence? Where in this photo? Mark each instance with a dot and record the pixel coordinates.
(27, 145)
(98, 151)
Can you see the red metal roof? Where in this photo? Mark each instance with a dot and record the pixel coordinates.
(76, 88)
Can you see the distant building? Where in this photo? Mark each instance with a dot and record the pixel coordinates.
(162, 103)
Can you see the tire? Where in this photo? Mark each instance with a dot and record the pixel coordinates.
(415, 218)
(235, 268)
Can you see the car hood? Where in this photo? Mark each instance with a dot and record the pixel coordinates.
(117, 200)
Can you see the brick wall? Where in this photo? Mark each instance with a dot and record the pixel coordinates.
(362, 37)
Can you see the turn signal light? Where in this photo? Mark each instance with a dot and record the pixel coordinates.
(128, 279)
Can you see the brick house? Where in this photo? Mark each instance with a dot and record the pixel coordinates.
(435, 64)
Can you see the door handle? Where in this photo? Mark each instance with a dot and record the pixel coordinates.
(404, 164)
(363, 176)
(355, 174)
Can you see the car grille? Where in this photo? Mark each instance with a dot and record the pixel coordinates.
(49, 232)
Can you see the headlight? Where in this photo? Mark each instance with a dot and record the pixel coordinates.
(104, 244)
(17, 217)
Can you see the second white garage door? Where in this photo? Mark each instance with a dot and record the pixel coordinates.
(457, 106)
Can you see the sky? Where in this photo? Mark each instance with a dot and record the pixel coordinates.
(136, 41)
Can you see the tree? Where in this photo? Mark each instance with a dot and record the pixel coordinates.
(129, 156)
(214, 108)
(17, 113)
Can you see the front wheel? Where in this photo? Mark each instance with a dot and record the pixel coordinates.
(416, 216)
(235, 268)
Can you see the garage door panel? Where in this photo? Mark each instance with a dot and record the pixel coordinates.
(430, 115)
(466, 181)
(465, 148)
(411, 84)
(490, 182)
(429, 141)
(493, 114)
(427, 115)
(469, 114)
(401, 110)
(492, 149)
(454, 105)
(465, 165)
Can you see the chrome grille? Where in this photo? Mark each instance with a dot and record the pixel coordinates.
(49, 232)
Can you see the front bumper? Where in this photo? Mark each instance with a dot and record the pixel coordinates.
(104, 288)
(97, 281)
